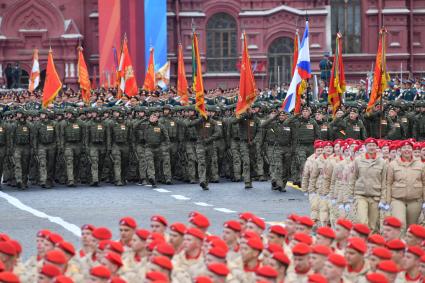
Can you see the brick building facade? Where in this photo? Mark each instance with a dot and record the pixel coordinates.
(269, 25)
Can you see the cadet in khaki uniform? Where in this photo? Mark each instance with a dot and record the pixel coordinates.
(46, 138)
(367, 184)
(405, 186)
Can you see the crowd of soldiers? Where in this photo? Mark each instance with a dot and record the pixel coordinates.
(152, 140)
(247, 251)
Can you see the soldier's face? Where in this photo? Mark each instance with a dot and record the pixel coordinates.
(191, 243)
(126, 233)
(392, 113)
(229, 236)
(339, 114)
(153, 118)
(85, 237)
(406, 151)
(137, 244)
(371, 148)
(175, 239)
(43, 279)
(305, 113)
(317, 262)
(353, 115)
(157, 227)
(410, 261)
(301, 263)
(353, 257)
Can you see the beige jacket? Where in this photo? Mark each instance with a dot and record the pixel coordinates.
(405, 180)
(368, 177)
(308, 166)
(317, 175)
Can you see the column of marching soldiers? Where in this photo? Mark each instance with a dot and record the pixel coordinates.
(147, 145)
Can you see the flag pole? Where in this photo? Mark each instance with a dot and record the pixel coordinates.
(380, 100)
(307, 93)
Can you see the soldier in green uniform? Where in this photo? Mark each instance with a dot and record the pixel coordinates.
(157, 149)
(20, 148)
(46, 139)
(397, 130)
(71, 142)
(305, 132)
(139, 125)
(4, 134)
(119, 138)
(219, 145)
(419, 123)
(234, 137)
(169, 122)
(191, 136)
(95, 144)
(353, 126)
(319, 117)
(278, 139)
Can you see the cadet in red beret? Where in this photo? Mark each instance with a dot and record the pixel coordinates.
(256, 224)
(422, 265)
(155, 276)
(191, 253)
(51, 241)
(342, 233)
(86, 232)
(411, 263)
(250, 251)
(376, 278)
(334, 268)
(161, 264)
(231, 234)
(57, 258)
(113, 262)
(217, 272)
(360, 231)
(277, 235)
(243, 219)
(8, 277)
(318, 257)
(47, 273)
(397, 247)
(159, 224)
(203, 279)
(127, 228)
(63, 279)
(415, 235)
(316, 278)
(7, 255)
(199, 221)
(280, 262)
(301, 263)
(176, 234)
(266, 273)
(391, 228)
(100, 274)
(355, 256)
(304, 225)
(163, 249)
(389, 269)
(325, 236)
(377, 255)
(290, 226)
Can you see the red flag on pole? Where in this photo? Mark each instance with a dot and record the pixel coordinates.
(52, 83)
(83, 77)
(128, 84)
(149, 83)
(198, 83)
(247, 89)
(337, 80)
(35, 73)
(182, 86)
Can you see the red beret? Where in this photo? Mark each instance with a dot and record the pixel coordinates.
(393, 222)
(318, 144)
(382, 253)
(258, 222)
(219, 269)
(345, 223)
(143, 234)
(195, 232)
(54, 238)
(67, 247)
(301, 249)
(203, 279)
(233, 225)
(417, 146)
(294, 217)
(165, 248)
(63, 279)
(218, 242)
(357, 244)
(321, 250)
(156, 275)
(267, 271)
(306, 221)
(218, 252)
(116, 247)
(103, 244)
(255, 243)
(43, 233)
(50, 270)
(102, 233)
(7, 248)
(2, 267)
(8, 277)
(100, 272)
(250, 234)
(163, 262)
(371, 140)
(326, 232)
(159, 218)
(114, 258)
(281, 257)
(361, 229)
(303, 238)
(337, 260)
(376, 278)
(200, 221)
(16, 245)
(129, 222)
(396, 244)
(417, 230)
(178, 227)
(278, 230)
(88, 227)
(117, 280)
(246, 215)
(423, 258)
(388, 266)
(273, 248)
(416, 250)
(4, 237)
(316, 278)
(56, 256)
(376, 239)
(405, 142)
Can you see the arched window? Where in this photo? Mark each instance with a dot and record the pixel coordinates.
(280, 56)
(222, 39)
(346, 18)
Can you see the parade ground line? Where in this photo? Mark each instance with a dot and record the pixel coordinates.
(74, 229)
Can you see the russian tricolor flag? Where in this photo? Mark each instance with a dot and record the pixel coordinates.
(302, 72)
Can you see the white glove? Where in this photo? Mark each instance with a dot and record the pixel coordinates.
(333, 201)
(347, 207)
(384, 206)
(423, 207)
(341, 207)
